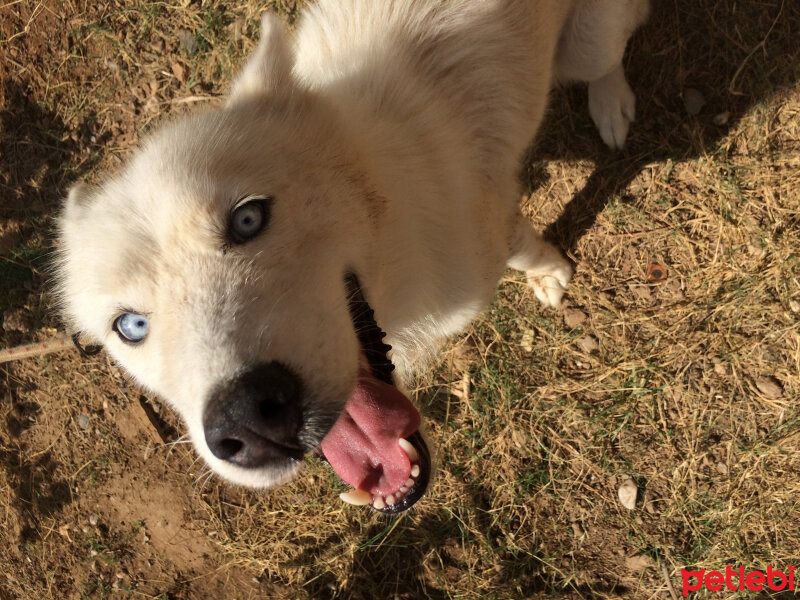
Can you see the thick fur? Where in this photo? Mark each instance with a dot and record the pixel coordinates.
(389, 135)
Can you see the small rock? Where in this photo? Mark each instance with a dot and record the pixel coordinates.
(794, 306)
(721, 118)
(674, 287)
(769, 386)
(574, 317)
(577, 529)
(642, 291)
(92, 520)
(588, 344)
(63, 530)
(638, 563)
(178, 71)
(627, 493)
(83, 421)
(722, 468)
(187, 41)
(693, 100)
(650, 507)
(720, 369)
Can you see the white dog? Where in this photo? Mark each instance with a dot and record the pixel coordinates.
(375, 158)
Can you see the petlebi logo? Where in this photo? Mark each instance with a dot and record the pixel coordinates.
(737, 579)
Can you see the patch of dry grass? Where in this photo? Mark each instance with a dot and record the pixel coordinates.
(688, 386)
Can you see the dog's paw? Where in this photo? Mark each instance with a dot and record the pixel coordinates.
(550, 288)
(612, 105)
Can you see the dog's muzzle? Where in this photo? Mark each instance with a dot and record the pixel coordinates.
(254, 419)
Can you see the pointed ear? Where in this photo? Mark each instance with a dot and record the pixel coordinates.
(79, 197)
(269, 67)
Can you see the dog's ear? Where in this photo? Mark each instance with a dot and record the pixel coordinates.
(269, 67)
(80, 195)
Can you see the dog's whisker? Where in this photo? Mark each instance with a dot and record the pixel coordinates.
(203, 478)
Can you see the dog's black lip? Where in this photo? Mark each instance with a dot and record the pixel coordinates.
(369, 334)
(370, 337)
(415, 493)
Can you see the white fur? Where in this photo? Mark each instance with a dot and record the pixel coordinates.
(389, 135)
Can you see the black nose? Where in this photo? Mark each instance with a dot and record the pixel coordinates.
(254, 419)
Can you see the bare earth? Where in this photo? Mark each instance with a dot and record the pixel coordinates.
(685, 383)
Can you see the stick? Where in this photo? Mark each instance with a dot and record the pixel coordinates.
(61, 342)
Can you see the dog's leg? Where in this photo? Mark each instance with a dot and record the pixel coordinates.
(548, 272)
(612, 106)
(591, 49)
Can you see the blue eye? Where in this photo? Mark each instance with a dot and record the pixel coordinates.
(248, 219)
(132, 327)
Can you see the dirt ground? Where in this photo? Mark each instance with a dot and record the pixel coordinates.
(685, 385)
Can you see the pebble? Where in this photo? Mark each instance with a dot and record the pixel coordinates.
(588, 344)
(722, 118)
(638, 563)
(83, 421)
(187, 41)
(574, 317)
(642, 291)
(769, 386)
(627, 493)
(694, 100)
(178, 71)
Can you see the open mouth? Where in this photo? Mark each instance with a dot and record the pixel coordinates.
(375, 445)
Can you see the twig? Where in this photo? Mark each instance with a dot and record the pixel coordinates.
(61, 342)
(670, 587)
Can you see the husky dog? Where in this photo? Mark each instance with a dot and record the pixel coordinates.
(233, 266)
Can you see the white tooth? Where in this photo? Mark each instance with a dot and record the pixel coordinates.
(356, 497)
(378, 502)
(410, 483)
(403, 489)
(390, 499)
(415, 470)
(413, 455)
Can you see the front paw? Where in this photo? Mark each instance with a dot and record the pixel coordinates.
(550, 288)
(612, 105)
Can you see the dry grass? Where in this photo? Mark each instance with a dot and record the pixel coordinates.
(534, 427)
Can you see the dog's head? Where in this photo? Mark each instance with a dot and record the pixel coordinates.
(216, 268)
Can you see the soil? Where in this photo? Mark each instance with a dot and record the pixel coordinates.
(687, 387)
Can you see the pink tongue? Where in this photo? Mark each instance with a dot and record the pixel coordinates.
(362, 445)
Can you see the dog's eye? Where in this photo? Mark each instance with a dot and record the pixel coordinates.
(132, 327)
(248, 219)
